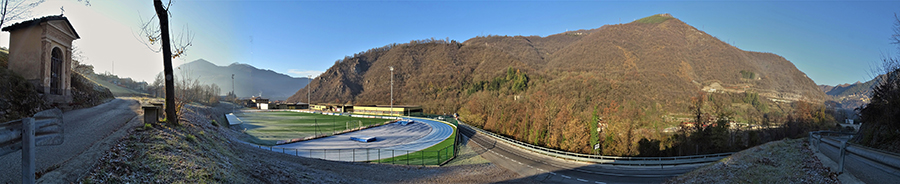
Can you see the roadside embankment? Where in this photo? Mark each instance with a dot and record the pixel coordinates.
(784, 161)
(202, 151)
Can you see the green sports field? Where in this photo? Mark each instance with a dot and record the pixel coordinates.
(270, 127)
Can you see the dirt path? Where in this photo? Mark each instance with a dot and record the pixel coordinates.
(88, 133)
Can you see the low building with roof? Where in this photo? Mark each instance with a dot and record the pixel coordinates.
(386, 110)
(40, 50)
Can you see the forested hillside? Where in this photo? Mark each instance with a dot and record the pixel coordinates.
(637, 82)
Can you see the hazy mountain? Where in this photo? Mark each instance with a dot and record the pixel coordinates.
(248, 80)
(850, 96)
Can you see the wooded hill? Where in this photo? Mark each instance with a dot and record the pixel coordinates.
(552, 91)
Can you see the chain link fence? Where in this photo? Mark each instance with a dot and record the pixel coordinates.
(429, 156)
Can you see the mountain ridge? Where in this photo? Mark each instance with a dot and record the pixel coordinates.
(566, 52)
(249, 80)
(851, 96)
(557, 91)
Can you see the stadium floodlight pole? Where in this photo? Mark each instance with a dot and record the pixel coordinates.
(232, 92)
(392, 90)
(308, 81)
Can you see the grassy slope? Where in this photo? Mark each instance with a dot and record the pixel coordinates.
(4, 57)
(268, 127)
(200, 152)
(115, 89)
(785, 161)
(655, 19)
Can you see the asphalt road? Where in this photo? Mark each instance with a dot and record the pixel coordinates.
(391, 140)
(83, 132)
(862, 168)
(547, 169)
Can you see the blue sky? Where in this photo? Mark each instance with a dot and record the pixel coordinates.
(833, 42)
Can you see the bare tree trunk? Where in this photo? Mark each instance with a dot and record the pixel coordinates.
(163, 16)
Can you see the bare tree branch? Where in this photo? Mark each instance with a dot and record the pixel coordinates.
(13, 10)
(150, 35)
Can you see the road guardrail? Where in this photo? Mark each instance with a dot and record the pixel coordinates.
(44, 129)
(601, 159)
(886, 159)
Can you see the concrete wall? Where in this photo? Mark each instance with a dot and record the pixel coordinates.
(25, 53)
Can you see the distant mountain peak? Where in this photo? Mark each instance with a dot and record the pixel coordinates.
(655, 19)
(239, 64)
(201, 61)
(247, 79)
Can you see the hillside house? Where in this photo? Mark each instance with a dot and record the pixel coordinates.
(41, 51)
(261, 103)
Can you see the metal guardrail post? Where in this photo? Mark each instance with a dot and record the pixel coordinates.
(843, 154)
(810, 140)
(28, 150)
(819, 142)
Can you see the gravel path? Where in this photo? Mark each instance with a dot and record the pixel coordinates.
(85, 134)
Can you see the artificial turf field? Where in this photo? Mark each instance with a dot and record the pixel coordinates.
(270, 127)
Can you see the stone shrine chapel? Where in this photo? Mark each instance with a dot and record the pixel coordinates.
(40, 50)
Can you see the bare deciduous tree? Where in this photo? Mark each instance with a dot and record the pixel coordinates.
(160, 34)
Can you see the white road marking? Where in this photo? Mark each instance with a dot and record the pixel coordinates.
(582, 180)
(567, 177)
(597, 182)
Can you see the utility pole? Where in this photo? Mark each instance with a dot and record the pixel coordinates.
(392, 90)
